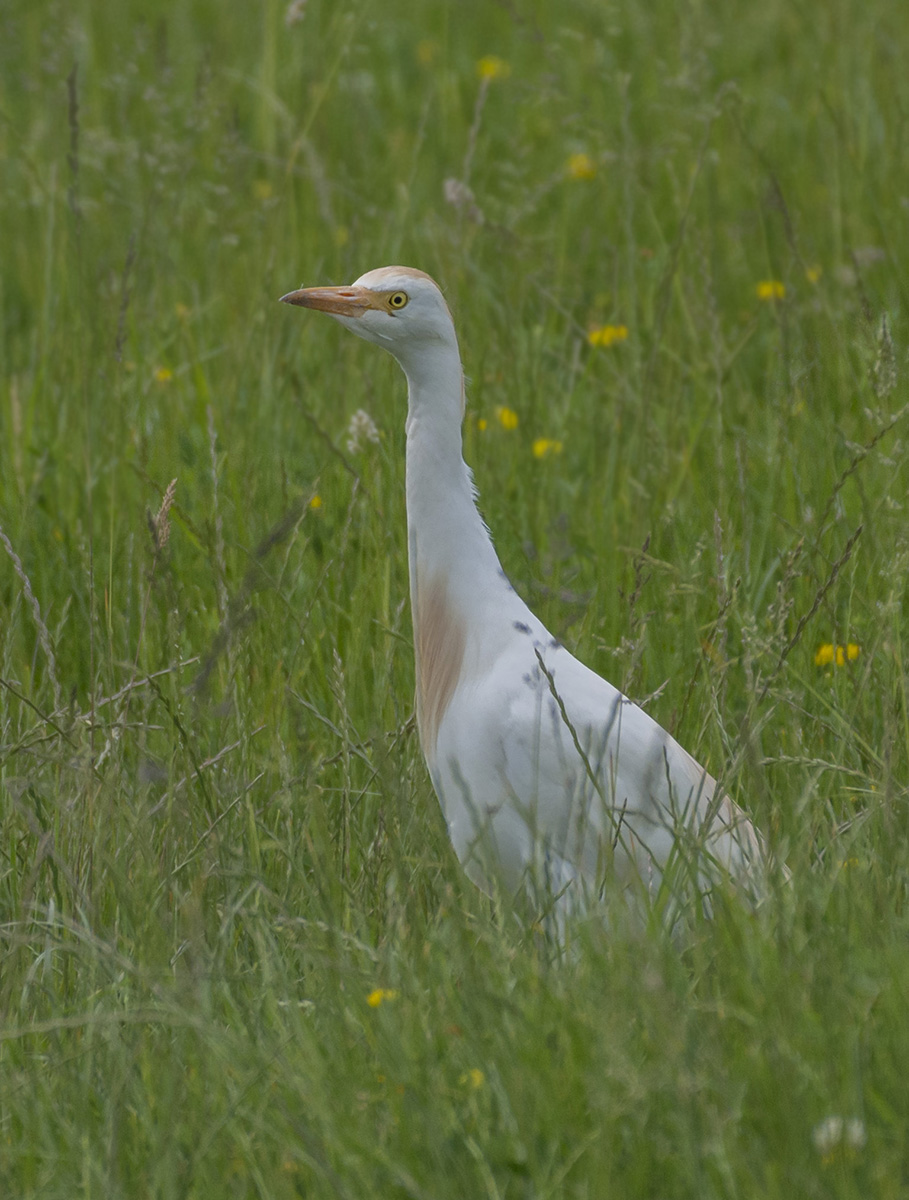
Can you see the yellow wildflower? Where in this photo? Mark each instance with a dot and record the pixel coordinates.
(606, 335)
(813, 274)
(839, 655)
(237, 1166)
(543, 446)
(581, 166)
(380, 995)
(262, 189)
(163, 374)
(770, 289)
(482, 424)
(182, 311)
(426, 52)
(473, 1078)
(493, 67)
(315, 501)
(508, 418)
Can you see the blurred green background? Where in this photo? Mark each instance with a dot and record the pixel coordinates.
(238, 956)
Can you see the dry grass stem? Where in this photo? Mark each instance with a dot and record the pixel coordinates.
(44, 636)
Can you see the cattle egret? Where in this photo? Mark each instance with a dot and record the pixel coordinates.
(549, 778)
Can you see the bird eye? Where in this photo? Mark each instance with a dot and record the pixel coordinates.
(397, 299)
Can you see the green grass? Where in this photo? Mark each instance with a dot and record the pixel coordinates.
(218, 836)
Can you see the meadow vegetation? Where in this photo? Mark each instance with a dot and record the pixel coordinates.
(238, 957)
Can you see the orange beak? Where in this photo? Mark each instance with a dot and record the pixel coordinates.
(339, 301)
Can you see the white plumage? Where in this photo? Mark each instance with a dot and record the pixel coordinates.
(549, 778)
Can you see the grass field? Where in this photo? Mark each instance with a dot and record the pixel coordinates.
(239, 958)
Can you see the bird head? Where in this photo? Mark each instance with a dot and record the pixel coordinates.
(396, 307)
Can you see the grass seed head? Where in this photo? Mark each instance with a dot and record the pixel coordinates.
(883, 373)
(159, 524)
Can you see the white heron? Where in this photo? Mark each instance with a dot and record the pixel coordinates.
(549, 778)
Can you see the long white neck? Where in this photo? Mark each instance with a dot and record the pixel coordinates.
(446, 534)
(461, 600)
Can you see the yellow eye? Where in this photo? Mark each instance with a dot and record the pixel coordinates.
(397, 299)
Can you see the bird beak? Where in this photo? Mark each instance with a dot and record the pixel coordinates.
(339, 301)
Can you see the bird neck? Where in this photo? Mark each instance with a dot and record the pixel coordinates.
(459, 594)
(447, 537)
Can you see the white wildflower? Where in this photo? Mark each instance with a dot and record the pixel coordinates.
(362, 428)
(856, 1134)
(294, 13)
(836, 1133)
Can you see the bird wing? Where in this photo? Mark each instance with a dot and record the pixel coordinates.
(565, 775)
